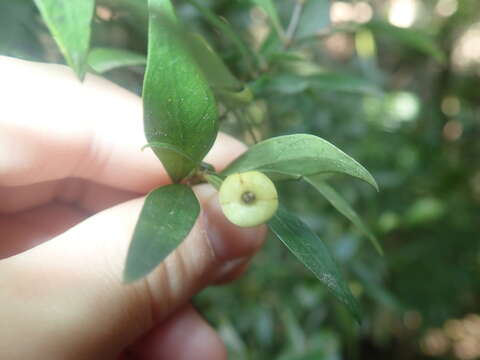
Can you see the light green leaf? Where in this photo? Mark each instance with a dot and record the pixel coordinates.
(167, 217)
(289, 83)
(106, 59)
(339, 203)
(343, 82)
(294, 156)
(269, 7)
(314, 254)
(314, 18)
(69, 22)
(415, 39)
(179, 106)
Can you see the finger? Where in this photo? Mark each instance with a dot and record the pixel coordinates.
(85, 195)
(183, 336)
(67, 295)
(30, 228)
(92, 130)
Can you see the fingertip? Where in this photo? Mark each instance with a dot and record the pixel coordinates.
(184, 336)
(227, 240)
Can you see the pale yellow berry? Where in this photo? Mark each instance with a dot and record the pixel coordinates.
(248, 199)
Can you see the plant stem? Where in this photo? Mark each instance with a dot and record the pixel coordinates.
(294, 21)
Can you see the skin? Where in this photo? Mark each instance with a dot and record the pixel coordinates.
(72, 183)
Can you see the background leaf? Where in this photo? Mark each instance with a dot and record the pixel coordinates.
(269, 7)
(314, 18)
(69, 22)
(289, 84)
(167, 217)
(339, 203)
(106, 59)
(418, 40)
(179, 107)
(296, 156)
(313, 253)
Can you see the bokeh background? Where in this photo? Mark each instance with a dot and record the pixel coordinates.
(395, 84)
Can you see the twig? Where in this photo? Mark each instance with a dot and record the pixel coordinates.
(294, 21)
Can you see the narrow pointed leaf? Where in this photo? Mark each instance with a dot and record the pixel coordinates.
(412, 38)
(315, 17)
(106, 59)
(226, 29)
(69, 22)
(314, 254)
(215, 70)
(179, 106)
(294, 156)
(339, 203)
(167, 217)
(269, 7)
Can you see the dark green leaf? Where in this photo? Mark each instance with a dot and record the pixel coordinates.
(215, 70)
(269, 7)
(69, 22)
(226, 29)
(20, 30)
(159, 145)
(106, 59)
(314, 254)
(166, 219)
(415, 39)
(179, 106)
(314, 18)
(294, 156)
(339, 203)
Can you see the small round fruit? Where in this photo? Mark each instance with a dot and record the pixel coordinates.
(248, 199)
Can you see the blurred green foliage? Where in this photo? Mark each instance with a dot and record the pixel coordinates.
(404, 101)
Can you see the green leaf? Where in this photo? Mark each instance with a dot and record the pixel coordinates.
(339, 203)
(269, 7)
(215, 70)
(294, 156)
(179, 106)
(106, 59)
(289, 84)
(159, 145)
(343, 82)
(314, 18)
(167, 217)
(314, 254)
(415, 39)
(226, 29)
(69, 22)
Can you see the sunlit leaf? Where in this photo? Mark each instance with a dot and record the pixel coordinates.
(179, 106)
(166, 219)
(294, 156)
(69, 22)
(314, 254)
(106, 59)
(339, 203)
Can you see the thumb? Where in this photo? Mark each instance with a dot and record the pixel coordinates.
(67, 296)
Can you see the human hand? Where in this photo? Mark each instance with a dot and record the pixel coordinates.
(71, 180)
